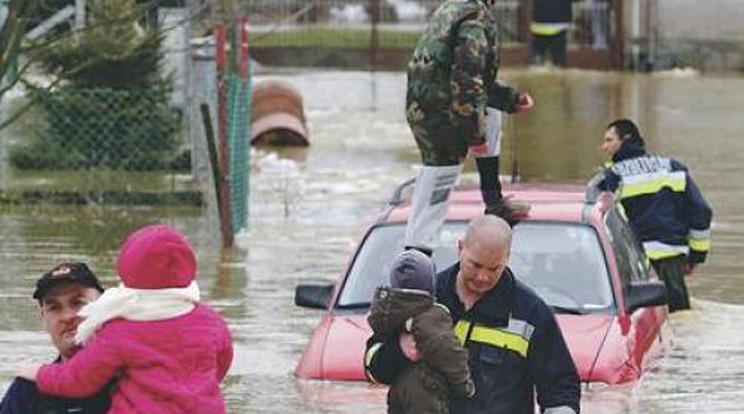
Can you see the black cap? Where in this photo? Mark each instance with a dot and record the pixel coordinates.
(76, 272)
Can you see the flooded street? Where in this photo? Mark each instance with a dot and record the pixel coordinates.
(309, 207)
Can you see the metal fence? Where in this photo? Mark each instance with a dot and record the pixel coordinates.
(346, 22)
(399, 22)
(96, 146)
(132, 130)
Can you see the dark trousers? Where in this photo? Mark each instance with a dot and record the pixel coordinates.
(555, 45)
(672, 272)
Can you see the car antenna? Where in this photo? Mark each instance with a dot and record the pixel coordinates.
(512, 140)
(514, 155)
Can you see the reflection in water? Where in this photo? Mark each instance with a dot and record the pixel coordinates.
(308, 209)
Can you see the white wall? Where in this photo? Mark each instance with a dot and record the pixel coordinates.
(717, 20)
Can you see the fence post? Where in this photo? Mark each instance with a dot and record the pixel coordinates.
(618, 37)
(215, 163)
(221, 61)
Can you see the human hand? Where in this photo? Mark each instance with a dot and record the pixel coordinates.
(524, 103)
(480, 149)
(408, 346)
(28, 372)
(690, 268)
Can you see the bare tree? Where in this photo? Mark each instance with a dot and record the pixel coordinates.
(11, 37)
(15, 43)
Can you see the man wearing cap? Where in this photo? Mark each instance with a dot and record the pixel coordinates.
(61, 293)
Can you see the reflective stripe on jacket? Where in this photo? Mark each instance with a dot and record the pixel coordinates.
(515, 348)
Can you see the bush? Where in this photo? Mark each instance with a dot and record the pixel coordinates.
(112, 109)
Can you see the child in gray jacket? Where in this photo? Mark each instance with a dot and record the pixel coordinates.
(408, 305)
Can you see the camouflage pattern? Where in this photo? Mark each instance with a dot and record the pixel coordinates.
(452, 78)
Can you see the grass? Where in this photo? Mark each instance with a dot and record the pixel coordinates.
(342, 38)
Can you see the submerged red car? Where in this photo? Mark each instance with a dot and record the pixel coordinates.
(575, 249)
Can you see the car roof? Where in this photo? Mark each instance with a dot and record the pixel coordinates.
(548, 202)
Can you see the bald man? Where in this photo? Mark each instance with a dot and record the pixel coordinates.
(515, 347)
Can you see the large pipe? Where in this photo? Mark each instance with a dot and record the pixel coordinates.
(277, 115)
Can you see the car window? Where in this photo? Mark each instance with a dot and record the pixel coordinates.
(563, 262)
(371, 267)
(629, 257)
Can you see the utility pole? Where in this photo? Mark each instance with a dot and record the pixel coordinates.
(617, 45)
(374, 40)
(79, 14)
(374, 49)
(652, 33)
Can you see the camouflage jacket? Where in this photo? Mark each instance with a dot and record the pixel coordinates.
(452, 72)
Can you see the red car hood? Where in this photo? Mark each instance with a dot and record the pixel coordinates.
(336, 348)
(585, 336)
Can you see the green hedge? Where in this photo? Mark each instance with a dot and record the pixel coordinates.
(103, 128)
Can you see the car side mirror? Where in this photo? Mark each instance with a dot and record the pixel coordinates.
(646, 294)
(314, 295)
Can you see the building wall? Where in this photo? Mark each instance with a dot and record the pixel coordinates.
(707, 35)
(717, 20)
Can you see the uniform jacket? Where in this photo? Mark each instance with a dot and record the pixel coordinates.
(452, 75)
(515, 348)
(666, 210)
(22, 397)
(423, 387)
(552, 11)
(166, 366)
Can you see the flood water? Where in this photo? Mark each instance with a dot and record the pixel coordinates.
(309, 206)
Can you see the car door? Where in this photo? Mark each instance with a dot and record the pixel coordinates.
(646, 324)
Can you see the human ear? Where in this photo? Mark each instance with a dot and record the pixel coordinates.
(43, 320)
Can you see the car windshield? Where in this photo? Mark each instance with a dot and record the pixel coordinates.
(562, 262)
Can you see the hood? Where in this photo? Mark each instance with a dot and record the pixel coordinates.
(600, 349)
(630, 148)
(392, 307)
(336, 349)
(585, 336)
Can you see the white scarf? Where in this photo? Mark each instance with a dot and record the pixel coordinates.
(135, 305)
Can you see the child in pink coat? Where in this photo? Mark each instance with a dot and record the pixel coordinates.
(168, 350)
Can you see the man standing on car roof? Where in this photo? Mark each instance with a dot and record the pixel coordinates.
(452, 95)
(666, 210)
(515, 347)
